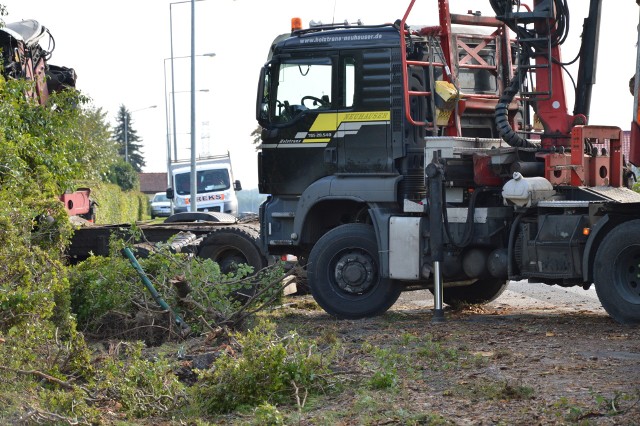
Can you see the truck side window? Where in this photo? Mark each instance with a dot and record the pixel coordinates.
(349, 82)
(303, 85)
(264, 98)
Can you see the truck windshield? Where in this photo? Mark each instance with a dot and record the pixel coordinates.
(207, 181)
(302, 85)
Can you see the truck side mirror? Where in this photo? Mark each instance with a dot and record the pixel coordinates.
(237, 185)
(261, 103)
(170, 194)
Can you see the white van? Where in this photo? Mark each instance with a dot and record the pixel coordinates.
(216, 189)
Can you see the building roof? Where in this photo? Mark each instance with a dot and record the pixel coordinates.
(150, 183)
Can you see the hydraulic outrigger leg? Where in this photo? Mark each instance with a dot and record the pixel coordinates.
(435, 174)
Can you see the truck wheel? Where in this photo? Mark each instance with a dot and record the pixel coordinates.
(343, 274)
(617, 273)
(480, 292)
(233, 245)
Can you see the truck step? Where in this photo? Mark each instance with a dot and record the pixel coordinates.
(285, 215)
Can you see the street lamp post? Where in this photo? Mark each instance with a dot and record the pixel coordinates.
(166, 112)
(126, 130)
(173, 106)
(193, 165)
(194, 177)
(173, 100)
(175, 148)
(166, 106)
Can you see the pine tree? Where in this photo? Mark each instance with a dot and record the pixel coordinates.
(131, 153)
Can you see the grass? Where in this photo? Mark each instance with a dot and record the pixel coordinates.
(395, 370)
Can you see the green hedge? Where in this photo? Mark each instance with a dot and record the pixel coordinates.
(116, 206)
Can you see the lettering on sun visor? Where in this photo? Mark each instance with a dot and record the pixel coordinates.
(338, 39)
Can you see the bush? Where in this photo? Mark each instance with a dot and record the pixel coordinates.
(37, 362)
(124, 175)
(194, 287)
(121, 378)
(142, 387)
(44, 149)
(116, 206)
(33, 237)
(269, 370)
(99, 285)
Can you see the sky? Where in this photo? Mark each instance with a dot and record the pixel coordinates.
(120, 49)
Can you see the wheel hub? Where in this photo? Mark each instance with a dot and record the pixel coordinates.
(229, 262)
(354, 273)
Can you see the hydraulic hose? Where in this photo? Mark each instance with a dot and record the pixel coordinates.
(156, 296)
(531, 44)
(501, 114)
(502, 8)
(467, 236)
(511, 244)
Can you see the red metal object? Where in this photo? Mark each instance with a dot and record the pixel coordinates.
(600, 168)
(78, 202)
(558, 168)
(456, 54)
(634, 144)
(552, 109)
(483, 174)
(405, 63)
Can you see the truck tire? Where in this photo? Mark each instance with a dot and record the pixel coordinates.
(616, 273)
(230, 246)
(343, 274)
(480, 292)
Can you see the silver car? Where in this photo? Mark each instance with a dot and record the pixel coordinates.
(160, 205)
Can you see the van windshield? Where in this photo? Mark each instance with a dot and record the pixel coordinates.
(207, 181)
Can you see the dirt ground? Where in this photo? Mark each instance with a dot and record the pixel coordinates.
(550, 358)
(535, 356)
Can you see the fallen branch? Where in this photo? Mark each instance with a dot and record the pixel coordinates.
(47, 377)
(40, 374)
(241, 314)
(297, 394)
(39, 416)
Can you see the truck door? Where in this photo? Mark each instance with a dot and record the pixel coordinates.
(297, 143)
(364, 111)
